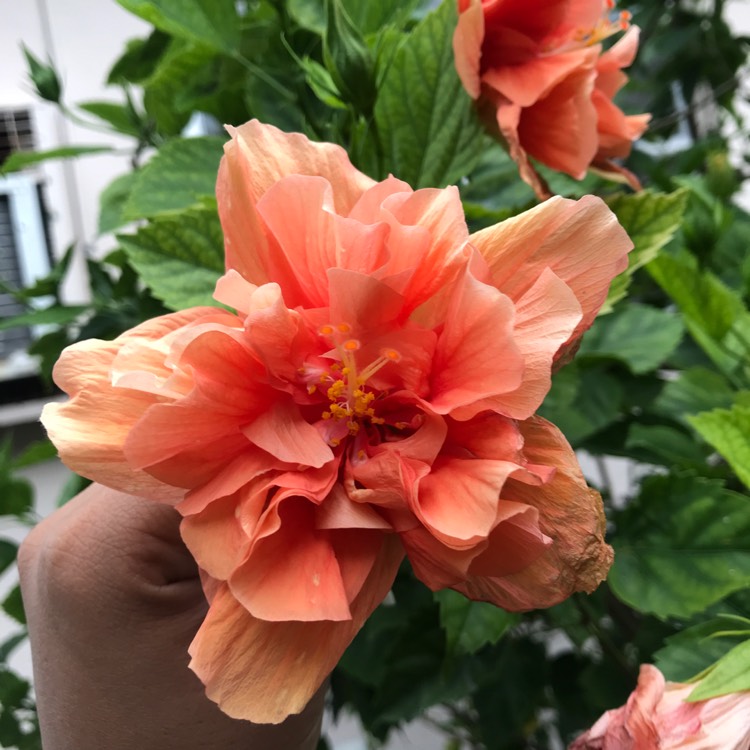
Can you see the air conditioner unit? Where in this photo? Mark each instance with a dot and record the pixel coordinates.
(24, 257)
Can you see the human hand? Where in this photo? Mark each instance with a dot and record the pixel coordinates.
(113, 599)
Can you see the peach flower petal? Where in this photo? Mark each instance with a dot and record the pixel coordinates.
(457, 500)
(292, 574)
(537, 70)
(551, 235)
(286, 434)
(570, 514)
(476, 355)
(657, 715)
(263, 671)
(467, 45)
(91, 428)
(256, 158)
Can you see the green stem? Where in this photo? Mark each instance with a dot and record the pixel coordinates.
(608, 646)
(260, 73)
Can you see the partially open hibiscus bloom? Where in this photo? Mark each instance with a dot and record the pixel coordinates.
(538, 72)
(657, 717)
(372, 396)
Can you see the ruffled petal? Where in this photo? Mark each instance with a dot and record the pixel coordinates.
(286, 434)
(264, 671)
(581, 241)
(570, 514)
(293, 573)
(256, 158)
(546, 316)
(437, 219)
(475, 355)
(90, 430)
(467, 45)
(560, 129)
(528, 83)
(457, 500)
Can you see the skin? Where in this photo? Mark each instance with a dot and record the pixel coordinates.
(113, 599)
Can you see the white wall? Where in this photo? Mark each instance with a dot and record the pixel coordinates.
(82, 37)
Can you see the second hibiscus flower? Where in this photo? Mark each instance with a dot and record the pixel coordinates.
(373, 396)
(538, 72)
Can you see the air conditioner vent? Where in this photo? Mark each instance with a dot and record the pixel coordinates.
(16, 132)
(12, 339)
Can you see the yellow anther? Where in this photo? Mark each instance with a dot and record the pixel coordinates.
(345, 371)
(311, 389)
(334, 443)
(361, 455)
(377, 420)
(326, 415)
(353, 427)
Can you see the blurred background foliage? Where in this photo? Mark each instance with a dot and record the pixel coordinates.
(662, 381)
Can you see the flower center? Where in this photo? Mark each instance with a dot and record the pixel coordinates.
(344, 383)
(609, 24)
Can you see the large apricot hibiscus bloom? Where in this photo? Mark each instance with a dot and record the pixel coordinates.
(373, 396)
(538, 72)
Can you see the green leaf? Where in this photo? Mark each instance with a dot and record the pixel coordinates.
(370, 18)
(661, 444)
(45, 79)
(681, 546)
(54, 315)
(731, 674)
(348, 59)
(73, 485)
(138, 61)
(697, 389)
(693, 650)
(728, 430)
(113, 200)
(640, 336)
(179, 257)
(121, 117)
(22, 159)
(651, 220)
(470, 625)
(36, 452)
(181, 173)
(582, 402)
(13, 606)
(47, 285)
(7, 647)
(16, 496)
(707, 303)
(428, 130)
(12, 689)
(210, 22)
(166, 94)
(320, 81)
(8, 552)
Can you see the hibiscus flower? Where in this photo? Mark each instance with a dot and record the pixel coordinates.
(658, 716)
(540, 77)
(373, 396)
